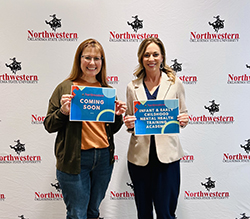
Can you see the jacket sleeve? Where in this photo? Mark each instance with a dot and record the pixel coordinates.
(115, 127)
(130, 96)
(55, 120)
(181, 96)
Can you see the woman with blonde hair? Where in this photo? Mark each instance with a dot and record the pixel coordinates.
(154, 160)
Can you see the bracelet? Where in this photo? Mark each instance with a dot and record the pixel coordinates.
(64, 113)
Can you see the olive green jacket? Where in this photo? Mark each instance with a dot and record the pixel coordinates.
(68, 139)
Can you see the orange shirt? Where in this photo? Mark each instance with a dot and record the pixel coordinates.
(93, 133)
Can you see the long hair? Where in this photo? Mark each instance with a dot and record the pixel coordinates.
(140, 71)
(76, 71)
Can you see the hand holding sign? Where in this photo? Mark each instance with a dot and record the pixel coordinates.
(156, 117)
(92, 104)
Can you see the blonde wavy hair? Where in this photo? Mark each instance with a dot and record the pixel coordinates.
(140, 71)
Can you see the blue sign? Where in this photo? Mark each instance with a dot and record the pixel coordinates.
(156, 117)
(95, 104)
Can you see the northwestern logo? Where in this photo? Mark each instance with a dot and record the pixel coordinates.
(235, 158)
(15, 79)
(57, 186)
(17, 159)
(187, 159)
(112, 79)
(213, 108)
(45, 35)
(50, 196)
(186, 79)
(136, 24)
(35, 119)
(14, 66)
(210, 184)
(127, 36)
(239, 79)
(125, 195)
(131, 186)
(204, 195)
(246, 147)
(212, 119)
(2, 197)
(116, 157)
(22, 217)
(217, 25)
(54, 23)
(176, 66)
(19, 147)
(243, 216)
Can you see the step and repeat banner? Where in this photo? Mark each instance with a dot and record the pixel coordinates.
(207, 44)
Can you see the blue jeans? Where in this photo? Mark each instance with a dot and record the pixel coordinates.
(83, 193)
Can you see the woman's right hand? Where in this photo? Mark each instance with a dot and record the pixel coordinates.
(65, 103)
(129, 121)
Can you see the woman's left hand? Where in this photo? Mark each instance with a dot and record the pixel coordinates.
(120, 107)
(183, 119)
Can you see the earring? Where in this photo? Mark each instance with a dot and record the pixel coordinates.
(161, 66)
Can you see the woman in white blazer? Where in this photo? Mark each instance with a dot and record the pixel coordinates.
(154, 160)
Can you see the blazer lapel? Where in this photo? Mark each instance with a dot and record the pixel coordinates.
(164, 86)
(139, 90)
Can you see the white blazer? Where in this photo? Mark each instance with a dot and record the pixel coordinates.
(168, 147)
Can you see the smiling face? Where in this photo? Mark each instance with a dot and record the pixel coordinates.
(91, 63)
(152, 58)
